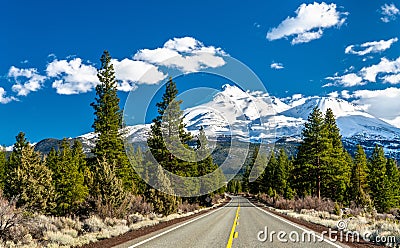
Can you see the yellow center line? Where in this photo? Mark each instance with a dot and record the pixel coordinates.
(233, 234)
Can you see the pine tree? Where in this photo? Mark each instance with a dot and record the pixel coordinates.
(162, 198)
(13, 162)
(110, 191)
(168, 139)
(68, 178)
(393, 175)
(378, 182)
(358, 183)
(312, 156)
(259, 165)
(31, 181)
(282, 175)
(2, 167)
(108, 122)
(338, 161)
(207, 166)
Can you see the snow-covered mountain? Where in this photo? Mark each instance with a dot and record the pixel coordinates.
(259, 116)
(254, 116)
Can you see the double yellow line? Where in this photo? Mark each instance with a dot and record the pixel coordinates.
(233, 234)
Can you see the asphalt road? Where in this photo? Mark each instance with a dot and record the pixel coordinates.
(238, 224)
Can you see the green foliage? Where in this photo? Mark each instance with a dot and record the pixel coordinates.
(31, 182)
(162, 198)
(13, 162)
(168, 129)
(338, 163)
(322, 167)
(68, 166)
(2, 167)
(206, 167)
(108, 121)
(378, 181)
(168, 140)
(358, 189)
(312, 156)
(109, 189)
(393, 176)
(234, 186)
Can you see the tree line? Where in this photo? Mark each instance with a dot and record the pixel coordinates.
(323, 168)
(67, 182)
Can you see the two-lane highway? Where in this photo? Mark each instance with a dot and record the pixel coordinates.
(231, 226)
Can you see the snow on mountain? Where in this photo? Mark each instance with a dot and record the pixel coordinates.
(260, 116)
(351, 119)
(252, 116)
(137, 133)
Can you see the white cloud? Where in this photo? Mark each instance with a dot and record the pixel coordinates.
(370, 47)
(26, 80)
(392, 79)
(388, 70)
(345, 94)
(380, 103)
(385, 66)
(75, 77)
(277, 66)
(309, 22)
(187, 54)
(133, 71)
(347, 80)
(4, 98)
(334, 94)
(72, 77)
(307, 37)
(389, 12)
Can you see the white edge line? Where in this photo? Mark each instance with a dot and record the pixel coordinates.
(176, 227)
(294, 225)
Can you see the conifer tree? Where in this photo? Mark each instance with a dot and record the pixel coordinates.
(168, 139)
(2, 167)
(13, 162)
(358, 183)
(338, 161)
(110, 192)
(282, 175)
(162, 196)
(108, 122)
(206, 166)
(393, 175)
(31, 182)
(312, 156)
(378, 182)
(68, 178)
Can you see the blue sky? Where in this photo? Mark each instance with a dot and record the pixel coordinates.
(50, 50)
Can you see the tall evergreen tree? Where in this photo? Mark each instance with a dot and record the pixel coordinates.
(2, 167)
(338, 162)
(31, 182)
(206, 166)
(162, 198)
(312, 156)
(13, 162)
(168, 140)
(110, 192)
(358, 183)
(108, 122)
(378, 182)
(68, 178)
(282, 175)
(393, 175)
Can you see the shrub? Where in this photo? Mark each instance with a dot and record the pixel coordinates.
(10, 217)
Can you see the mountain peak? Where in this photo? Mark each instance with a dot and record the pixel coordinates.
(339, 107)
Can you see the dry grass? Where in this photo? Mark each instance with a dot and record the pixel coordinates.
(36, 230)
